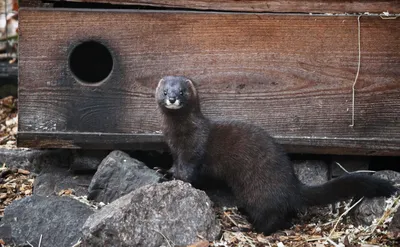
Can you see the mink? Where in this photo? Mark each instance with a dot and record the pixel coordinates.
(248, 160)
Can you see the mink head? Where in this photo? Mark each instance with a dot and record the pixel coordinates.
(176, 93)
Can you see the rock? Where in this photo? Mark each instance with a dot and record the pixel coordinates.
(5, 233)
(119, 174)
(394, 227)
(370, 209)
(57, 219)
(389, 175)
(153, 215)
(311, 172)
(87, 160)
(52, 181)
(34, 160)
(350, 163)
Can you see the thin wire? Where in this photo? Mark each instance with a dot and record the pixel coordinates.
(358, 71)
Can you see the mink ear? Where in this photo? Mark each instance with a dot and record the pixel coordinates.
(192, 86)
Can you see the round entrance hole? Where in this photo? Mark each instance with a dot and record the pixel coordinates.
(91, 62)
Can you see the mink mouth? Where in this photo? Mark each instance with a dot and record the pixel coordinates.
(173, 106)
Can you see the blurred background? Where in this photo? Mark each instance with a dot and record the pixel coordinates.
(8, 72)
(8, 47)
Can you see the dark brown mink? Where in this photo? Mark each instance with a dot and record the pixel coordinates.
(247, 159)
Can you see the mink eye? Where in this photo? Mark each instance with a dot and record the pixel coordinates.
(181, 92)
(165, 92)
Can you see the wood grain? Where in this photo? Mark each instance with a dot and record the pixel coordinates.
(291, 74)
(91, 140)
(305, 6)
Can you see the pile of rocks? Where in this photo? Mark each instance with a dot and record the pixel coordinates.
(101, 198)
(142, 209)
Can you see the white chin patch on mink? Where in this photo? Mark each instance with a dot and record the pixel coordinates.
(174, 106)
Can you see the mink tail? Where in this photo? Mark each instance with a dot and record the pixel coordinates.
(345, 187)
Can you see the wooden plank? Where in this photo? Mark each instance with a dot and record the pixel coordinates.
(128, 141)
(291, 74)
(73, 140)
(305, 6)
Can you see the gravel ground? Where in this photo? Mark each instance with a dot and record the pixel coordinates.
(317, 230)
(8, 122)
(14, 184)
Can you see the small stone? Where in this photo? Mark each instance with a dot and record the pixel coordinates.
(14, 130)
(11, 121)
(28, 192)
(22, 171)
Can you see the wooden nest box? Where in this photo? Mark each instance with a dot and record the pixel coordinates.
(88, 71)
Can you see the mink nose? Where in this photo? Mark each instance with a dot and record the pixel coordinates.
(172, 100)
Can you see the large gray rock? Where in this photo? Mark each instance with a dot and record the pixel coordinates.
(119, 174)
(153, 215)
(34, 160)
(370, 209)
(52, 181)
(311, 172)
(57, 219)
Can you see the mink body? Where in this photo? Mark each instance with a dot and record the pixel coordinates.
(247, 159)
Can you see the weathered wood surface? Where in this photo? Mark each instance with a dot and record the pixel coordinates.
(290, 74)
(306, 6)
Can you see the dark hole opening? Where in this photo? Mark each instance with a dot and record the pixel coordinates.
(91, 62)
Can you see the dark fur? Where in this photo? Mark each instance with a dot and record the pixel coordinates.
(249, 161)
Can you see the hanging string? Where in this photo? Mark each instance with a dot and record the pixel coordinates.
(358, 72)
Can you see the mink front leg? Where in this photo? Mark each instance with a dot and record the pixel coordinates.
(194, 174)
(187, 171)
